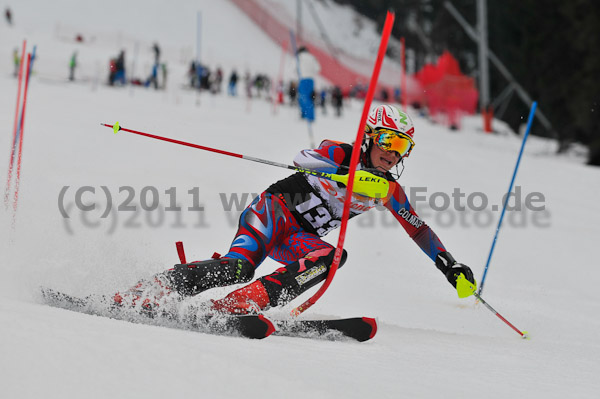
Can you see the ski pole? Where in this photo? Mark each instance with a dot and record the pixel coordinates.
(463, 285)
(365, 183)
(510, 187)
(523, 334)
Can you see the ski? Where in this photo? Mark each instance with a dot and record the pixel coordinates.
(358, 328)
(61, 300)
(248, 326)
(195, 318)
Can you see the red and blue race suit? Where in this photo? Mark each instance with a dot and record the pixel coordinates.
(287, 220)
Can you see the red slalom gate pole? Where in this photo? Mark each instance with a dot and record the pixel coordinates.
(387, 29)
(274, 92)
(403, 78)
(18, 179)
(15, 126)
(180, 251)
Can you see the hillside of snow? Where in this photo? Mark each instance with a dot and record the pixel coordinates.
(543, 277)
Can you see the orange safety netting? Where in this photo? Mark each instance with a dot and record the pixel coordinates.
(448, 93)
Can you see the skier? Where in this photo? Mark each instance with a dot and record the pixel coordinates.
(286, 223)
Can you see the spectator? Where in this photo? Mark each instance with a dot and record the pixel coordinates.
(280, 92)
(337, 100)
(156, 50)
(292, 93)
(323, 100)
(8, 15)
(163, 68)
(193, 75)
(232, 87)
(218, 80)
(153, 78)
(72, 66)
(117, 70)
(16, 61)
(248, 84)
(384, 95)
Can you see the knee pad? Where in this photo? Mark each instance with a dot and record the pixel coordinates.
(192, 278)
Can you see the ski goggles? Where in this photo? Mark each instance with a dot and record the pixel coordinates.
(391, 140)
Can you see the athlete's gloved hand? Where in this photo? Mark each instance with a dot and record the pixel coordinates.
(344, 170)
(451, 269)
(376, 172)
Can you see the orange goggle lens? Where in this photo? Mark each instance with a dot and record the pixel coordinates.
(390, 140)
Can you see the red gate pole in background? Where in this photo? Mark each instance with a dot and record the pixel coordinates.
(403, 77)
(15, 127)
(21, 135)
(275, 86)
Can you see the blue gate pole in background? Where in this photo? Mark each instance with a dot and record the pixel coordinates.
(512, 182)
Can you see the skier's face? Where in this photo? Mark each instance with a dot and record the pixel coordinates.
(383, 160)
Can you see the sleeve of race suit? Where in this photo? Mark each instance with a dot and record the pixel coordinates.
(327, 158)
(417, 229)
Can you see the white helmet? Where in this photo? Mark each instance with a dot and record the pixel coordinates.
(389, 117)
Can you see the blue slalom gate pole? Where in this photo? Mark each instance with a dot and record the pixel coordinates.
(295, 50)
(512, 182)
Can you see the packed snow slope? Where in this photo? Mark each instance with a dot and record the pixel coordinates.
(544, 275)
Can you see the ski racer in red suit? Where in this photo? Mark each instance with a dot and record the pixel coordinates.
(286, 223)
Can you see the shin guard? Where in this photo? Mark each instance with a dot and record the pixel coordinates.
(288, 282)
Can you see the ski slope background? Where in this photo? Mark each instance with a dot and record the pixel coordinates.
(544, 275)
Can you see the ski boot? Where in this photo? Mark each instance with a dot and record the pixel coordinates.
(184, 280)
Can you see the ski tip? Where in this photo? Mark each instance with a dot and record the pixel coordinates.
(373, 323)
(269, 323)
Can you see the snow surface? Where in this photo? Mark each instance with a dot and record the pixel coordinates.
(543, 277)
